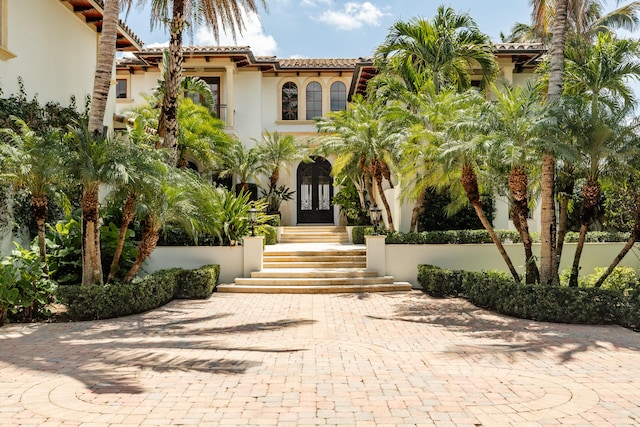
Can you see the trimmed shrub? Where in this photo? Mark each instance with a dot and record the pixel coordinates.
(358, 233)
(498, 292)
(122, 299)
(197, 284)
(270, 234)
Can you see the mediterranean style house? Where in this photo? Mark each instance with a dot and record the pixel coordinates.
(254, 94)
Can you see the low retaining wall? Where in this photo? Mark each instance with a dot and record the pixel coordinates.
(228, 257)
(402, 260)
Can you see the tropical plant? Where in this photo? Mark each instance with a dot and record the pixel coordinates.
(367, 134)
(93, 161)
(430, 55)
(277, 152)
(227, 14)
(242, 163)
(34, 162)
(275, 197)
(598, 75)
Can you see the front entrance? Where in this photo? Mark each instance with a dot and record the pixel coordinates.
(315, 191)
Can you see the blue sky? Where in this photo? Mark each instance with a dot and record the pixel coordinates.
(338, 29)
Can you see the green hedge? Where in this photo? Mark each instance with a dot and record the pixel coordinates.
(498, 292)
(198, 283)
(473, 236)
(122, 299)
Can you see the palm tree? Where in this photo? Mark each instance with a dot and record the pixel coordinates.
(368, 134)
(514, 123)
(104, 66)
(93, 160)
(241, 163)
(548, 270)
(227, 14)
(444, 50)
(276, 152)
(463, 151)
(600, 79)
(201, 137)
(146, 167)
(176, 202)
(33, 162)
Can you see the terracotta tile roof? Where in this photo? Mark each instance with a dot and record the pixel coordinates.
(315, 63)
(511, 47)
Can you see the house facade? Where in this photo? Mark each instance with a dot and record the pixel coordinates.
(255, 94)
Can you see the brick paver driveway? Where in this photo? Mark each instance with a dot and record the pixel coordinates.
(292, 360)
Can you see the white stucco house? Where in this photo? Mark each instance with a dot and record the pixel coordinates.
(253, 93)
(256, 94)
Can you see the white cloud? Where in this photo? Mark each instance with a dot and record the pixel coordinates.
(353, 16)
(157, 45)
(314, 3)
(252, 35)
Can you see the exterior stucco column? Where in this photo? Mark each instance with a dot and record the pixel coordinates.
(376, 254)
(252, 254)
(229, 94)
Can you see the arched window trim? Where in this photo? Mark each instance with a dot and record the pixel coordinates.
(331, 96)
(313, 100)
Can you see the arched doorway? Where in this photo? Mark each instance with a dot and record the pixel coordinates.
(315, 192)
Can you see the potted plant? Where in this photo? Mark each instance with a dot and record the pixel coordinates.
(276, 196)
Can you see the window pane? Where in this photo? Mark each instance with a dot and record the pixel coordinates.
(338, 96)
(121, 88)
(289, 101)
(314, 100)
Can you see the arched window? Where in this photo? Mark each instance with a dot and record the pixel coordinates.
(338, 96)
(289, 101)
(314, 100)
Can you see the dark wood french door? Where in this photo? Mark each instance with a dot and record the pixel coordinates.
(315, 192)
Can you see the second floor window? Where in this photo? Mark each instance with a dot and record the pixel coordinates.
(338, 96)
(121, 89)
(289, 101)
(314, 100)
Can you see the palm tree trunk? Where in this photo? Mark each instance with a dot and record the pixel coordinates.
(548, 271)
(172, 83)
(470, 185)
(104, 66)
(562, 223)
(418, 208)
(39, 206)
(91, 260)
(590, 197)
(633, 237)
(127, 217)
(384, 201)
(518, 185)
(148, 242)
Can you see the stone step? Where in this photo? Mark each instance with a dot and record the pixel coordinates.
(314, 264)
(314, 234)
(319, 258)
(354, 288)
(313, 272)
(315, 253)
(313, 281)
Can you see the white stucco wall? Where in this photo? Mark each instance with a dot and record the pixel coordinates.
(248, 106)
(55, 52)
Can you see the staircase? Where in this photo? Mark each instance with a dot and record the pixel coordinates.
(314, 259)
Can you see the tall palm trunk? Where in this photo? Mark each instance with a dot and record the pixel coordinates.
(127, 217)
(548, 271)
(518, 184)
(565, 196)
(91, 259)
(470, 185)
(39, 206)
(168, 126)
(148, 242)
(633, 237)
(104, 66)
(590, 199)
(385, 203)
